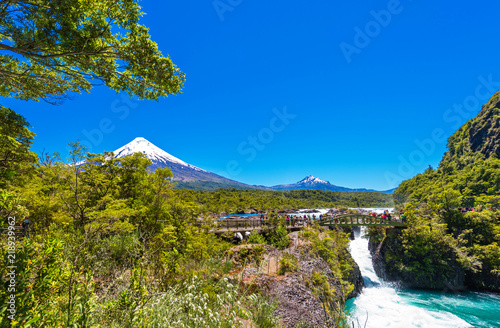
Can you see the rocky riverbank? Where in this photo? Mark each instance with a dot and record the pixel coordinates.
(390, 263)
(307, 292)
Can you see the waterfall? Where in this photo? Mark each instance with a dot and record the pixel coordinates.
(382, 305)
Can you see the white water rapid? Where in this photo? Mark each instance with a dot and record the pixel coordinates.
(381, 305)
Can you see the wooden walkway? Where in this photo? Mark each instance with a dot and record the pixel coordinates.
(349, 220)
(359, 220)
(244, 225)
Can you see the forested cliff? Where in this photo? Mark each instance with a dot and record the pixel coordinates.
(452, 241)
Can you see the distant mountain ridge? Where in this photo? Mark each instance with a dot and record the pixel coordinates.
(313, 183)
(191, 177)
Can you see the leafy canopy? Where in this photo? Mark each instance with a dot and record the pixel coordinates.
(15, 141)
(52, 47)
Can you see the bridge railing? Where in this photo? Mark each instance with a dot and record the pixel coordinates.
(356, 219)
(229, 224)
(238, 223)
(235, 224)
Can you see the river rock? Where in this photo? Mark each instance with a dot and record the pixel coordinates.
(311, 211)
(296, 303)
(356, 279)
(252, 211)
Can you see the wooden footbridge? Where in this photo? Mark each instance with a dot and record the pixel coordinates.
(348, 220)
(359, 220)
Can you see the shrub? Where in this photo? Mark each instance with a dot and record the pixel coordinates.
(188, 306)
(278, 238)
(252, 254)
(288, 263)
(256, 238)
(262, 311)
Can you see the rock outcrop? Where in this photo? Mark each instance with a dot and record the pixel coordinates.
(297, 294)
(480, 135)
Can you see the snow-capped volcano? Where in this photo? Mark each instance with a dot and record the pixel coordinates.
(154, 153)
(313, 183)
(311, 179)
(310, 182)
(192, 177)
(187, 175)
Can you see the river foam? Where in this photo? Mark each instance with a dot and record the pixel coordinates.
(382, 305)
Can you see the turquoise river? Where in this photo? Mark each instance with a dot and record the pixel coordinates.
(382, 305)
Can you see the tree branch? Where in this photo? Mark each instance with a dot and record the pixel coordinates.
(27, 53)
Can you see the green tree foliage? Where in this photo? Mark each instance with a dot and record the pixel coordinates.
(238, 200)
(441, 233)
(15, 141)
(427, 255)
(65, 46)
(42, 289)
(256, 238)
(113, 244)
(333, 247)
(16, 160)
(277, 237)
(288, 263)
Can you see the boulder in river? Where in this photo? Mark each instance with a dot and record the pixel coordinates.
(252, 211)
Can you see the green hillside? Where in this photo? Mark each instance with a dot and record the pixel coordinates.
(453, 212)
(470, 167)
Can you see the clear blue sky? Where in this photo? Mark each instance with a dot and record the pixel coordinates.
(360, 102)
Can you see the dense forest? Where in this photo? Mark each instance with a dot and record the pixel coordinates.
(105, 242)
(454, 234)
(112, 244)
(239, 201)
